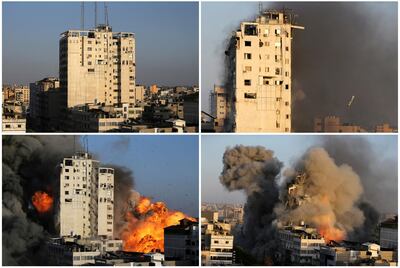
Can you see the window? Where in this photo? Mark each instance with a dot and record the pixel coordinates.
(66, 192)
(277, 71)
(277, 32)
(250, 95)
(89, 49)
(286, 74)
(247, 43)
(250, 29)
(216, 242)
(247, 56)
(265, 80)
(287, 116)
(67, 177)
(286, 103)
(266, 32)
(287, 48)
(286, 86)
(247, 68)
(247, 82)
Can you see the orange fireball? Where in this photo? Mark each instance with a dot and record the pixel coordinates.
(326, 228)
(42, 201)
(145, 229)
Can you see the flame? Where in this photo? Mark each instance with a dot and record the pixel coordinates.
(145, 228)
(42, 201)
(326, 228)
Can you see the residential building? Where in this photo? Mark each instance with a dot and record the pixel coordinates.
(21, 94)
(216, 244)
(86, 197)
(140, 92)
(332, 124)
(74, 251)
(259, 82)
(385, 127)
(388, 233)
(13, 124)
(299, 245)
(181, 242)
(97, 67)
(218, 99)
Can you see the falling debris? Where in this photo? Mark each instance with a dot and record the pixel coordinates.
(351, 101)
(316, 191)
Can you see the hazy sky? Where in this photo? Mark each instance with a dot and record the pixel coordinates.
(166, 38)
(287, 149)
(347, 48)
(164, 167)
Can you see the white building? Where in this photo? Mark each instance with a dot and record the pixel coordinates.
(260, 74)
(86, 197)
(13, 124)
(216, 244)
(300, 244)
(97, 66)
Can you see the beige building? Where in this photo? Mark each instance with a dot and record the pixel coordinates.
(14, 124)
(332, 124)
(97, 66)
(139, 94)
(216, 243)
(86, 197)
(260, 74)
(21, 94)
(218, 107)
(385, 127)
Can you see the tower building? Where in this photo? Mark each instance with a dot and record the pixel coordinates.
(86, 197)
(259, 81)
(97, 67)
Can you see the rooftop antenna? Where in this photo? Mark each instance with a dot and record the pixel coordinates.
(95, 14)
(105, 14)
(82, 16)
(260, 7)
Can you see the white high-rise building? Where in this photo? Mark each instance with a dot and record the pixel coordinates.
(259, 82)
(97, 67)
(86, 197)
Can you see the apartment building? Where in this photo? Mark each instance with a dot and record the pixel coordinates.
(218, 104)
(97, 66)
(86, 197)
(259, 82)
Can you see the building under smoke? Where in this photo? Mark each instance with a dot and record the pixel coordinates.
(86, 197)
(258, 78)
(316, 192)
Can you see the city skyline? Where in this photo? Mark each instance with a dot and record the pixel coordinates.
(320, 58)
(167, 45)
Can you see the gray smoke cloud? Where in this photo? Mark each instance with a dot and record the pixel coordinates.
(321, 189)
(346, 49)
(30, 164)
(256, 171)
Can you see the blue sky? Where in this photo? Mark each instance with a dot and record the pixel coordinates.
(287, 149)
(166, 38)
(164, 167)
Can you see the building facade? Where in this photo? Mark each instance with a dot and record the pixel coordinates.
(86, 197)
(97, 66)
(218, 106)
(260, 74)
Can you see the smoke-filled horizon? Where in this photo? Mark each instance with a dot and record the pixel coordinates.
(316, 189)
(373, 159)
(346, 49)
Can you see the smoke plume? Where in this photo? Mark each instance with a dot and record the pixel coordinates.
(346, 49)
(31, 164)
(322, 190)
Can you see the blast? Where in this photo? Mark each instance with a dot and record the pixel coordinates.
(144, 230)
(42, 201)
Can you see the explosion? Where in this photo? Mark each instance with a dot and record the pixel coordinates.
(315, 191)
(42, 201)
(146, 223)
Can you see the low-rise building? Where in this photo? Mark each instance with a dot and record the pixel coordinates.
(388, 233)
(181, 242)
(67, 251)
(300, 245)
(216, 244)
(14, 124)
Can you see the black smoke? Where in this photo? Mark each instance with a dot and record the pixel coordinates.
(30, 164)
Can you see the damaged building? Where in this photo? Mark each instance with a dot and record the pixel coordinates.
(259, 74)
